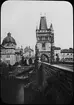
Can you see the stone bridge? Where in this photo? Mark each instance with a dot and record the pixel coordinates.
(55, 80)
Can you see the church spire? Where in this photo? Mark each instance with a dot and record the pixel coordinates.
(43, 24)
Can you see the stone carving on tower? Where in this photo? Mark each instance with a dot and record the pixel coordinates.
(45, 39)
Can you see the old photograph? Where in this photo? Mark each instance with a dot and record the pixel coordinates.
(36, 52)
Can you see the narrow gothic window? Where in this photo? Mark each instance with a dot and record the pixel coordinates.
(46, 38)
(43, 45)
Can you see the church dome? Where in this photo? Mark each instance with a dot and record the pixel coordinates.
(8, 39)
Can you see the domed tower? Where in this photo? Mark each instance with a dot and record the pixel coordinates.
(9, 41)
(8, 51)
(45, 38)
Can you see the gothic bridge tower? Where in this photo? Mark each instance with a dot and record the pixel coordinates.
(45, 39)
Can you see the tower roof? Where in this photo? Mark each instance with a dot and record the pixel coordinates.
(27, 49)
(43, 24)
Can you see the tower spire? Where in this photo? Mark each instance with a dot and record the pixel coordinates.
(43, 23)
(51, 27)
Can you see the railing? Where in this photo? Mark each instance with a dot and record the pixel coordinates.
(59, 76)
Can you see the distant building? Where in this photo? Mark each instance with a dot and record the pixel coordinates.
(18, 53)
(67, 55)
(57, 53)
(29, 55)
(8, 47)
(45, 39)
(64, 55)
(9, 53)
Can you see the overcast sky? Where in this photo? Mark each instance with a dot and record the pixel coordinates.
(21, 18)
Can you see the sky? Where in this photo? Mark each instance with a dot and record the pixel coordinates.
(22, 17)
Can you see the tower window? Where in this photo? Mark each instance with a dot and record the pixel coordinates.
(46, 38)
(8, 56)
(40, 38)
(43, 45)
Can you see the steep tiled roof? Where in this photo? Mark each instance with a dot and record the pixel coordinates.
(43, 24)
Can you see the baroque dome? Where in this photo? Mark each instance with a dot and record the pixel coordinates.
(8, 39)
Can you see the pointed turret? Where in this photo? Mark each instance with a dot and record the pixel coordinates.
(43, 24)
(51, 27)
(36, 28)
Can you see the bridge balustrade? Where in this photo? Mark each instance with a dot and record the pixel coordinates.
(60, 77)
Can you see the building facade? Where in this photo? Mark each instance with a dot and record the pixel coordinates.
(57, 54)
(45, 39)
(63, 55)
(29, 55)
(8, 47)
(18, 53)
(67, 55)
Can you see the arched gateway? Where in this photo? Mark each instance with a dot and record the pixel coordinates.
(44, 58)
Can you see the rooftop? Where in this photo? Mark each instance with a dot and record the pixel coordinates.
(70, 50)
(57, 48)
(8, 39)
(28, 49)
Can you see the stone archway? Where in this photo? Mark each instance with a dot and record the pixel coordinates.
(30, 61)
(44, 58)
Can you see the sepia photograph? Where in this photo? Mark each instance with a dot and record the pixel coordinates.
(36, 52)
